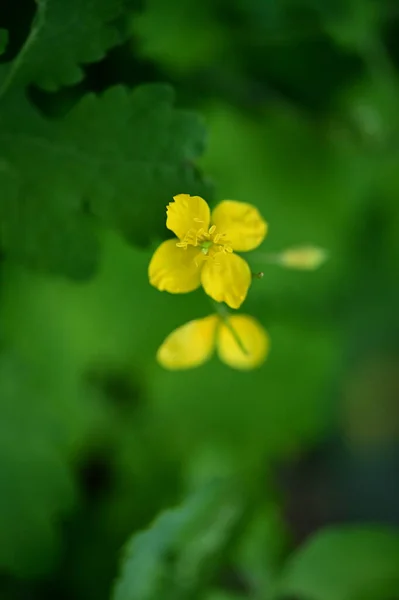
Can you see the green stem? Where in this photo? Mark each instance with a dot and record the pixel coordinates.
(224, 314)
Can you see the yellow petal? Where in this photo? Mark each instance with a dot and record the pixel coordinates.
(242, 333)
(226, 278)
(187, 214)
(241, 222)
(175, 270)
(190, 345)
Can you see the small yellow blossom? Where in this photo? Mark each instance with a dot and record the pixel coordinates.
(204, 251)
(241, 343)
(304, 258)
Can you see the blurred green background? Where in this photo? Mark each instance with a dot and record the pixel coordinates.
(121, 480)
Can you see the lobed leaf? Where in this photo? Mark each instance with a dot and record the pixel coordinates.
(63, 36)
(119, 157)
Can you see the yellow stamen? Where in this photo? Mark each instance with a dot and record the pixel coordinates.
(209, 241)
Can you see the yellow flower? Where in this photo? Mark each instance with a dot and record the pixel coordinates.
(241, 343)
(203, 253)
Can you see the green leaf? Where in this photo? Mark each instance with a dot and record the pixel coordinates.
(120, 157)
(35, 481)
(345, 563)
(171, 558)
(260, 550)
(63, 36)
(3, 40)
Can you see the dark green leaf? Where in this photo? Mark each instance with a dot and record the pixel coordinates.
(63, 36)
(120, 157)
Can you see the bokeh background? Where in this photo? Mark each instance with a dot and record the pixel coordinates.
(301, 104)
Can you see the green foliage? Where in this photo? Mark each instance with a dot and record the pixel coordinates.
(345, 563)
(164, 33)
(169, 560)
(97, 442)
(261, 550)
(113, 156)
(83, 31)
(36, 482)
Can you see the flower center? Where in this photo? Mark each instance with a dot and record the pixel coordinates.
(205, 246)
(209, 241)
